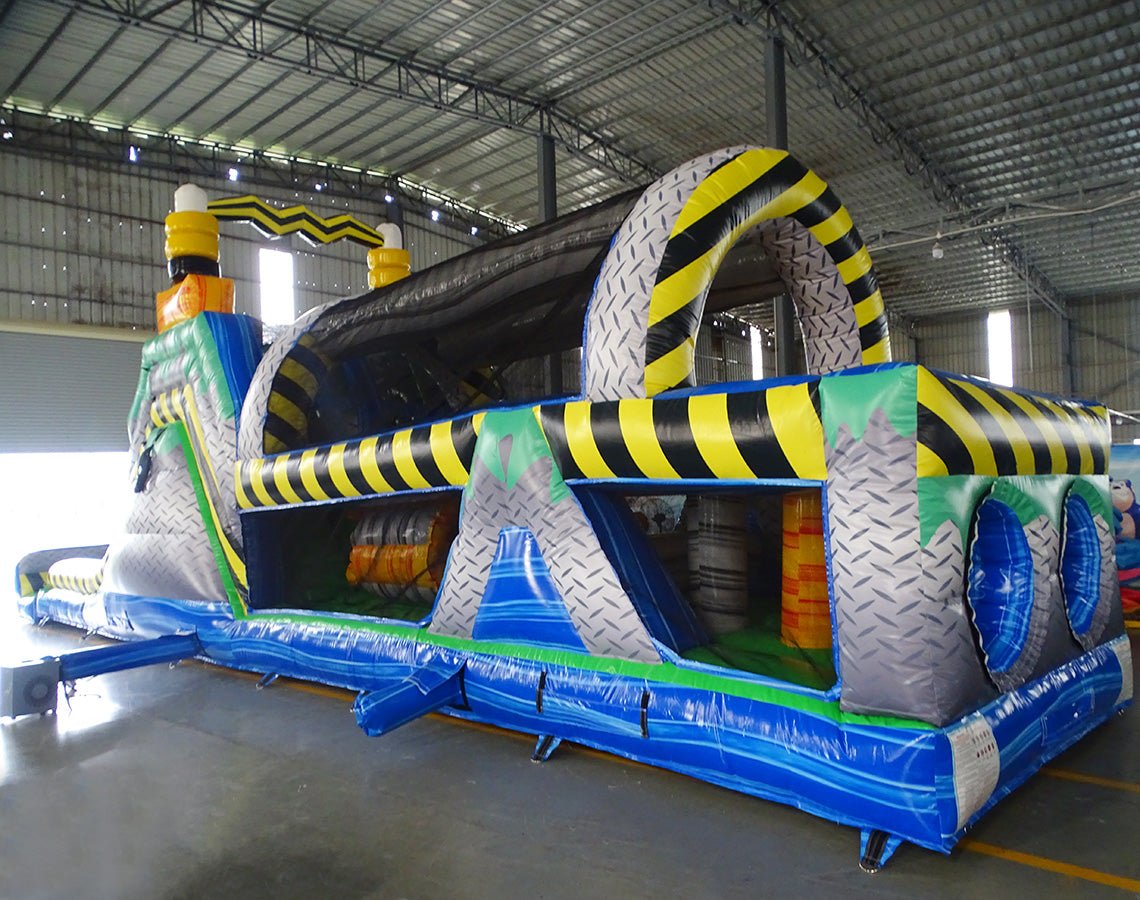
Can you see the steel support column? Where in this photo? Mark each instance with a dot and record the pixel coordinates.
(1069, 383)
(547, 194)
(547, 211)
(776, 89)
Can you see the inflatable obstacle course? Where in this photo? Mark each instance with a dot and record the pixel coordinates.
(879, 593)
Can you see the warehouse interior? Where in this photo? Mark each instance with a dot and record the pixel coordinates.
(987, 153)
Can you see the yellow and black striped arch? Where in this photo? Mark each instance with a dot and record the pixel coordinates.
(966, 427)
(292, 395)
(755, 186)
(273, 222)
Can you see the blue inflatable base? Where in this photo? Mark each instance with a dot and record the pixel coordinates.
(876, 777)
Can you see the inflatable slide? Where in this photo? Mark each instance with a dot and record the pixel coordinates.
(883, 594)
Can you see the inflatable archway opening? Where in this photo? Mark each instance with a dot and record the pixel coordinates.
(382, 559)
(743, 569)
(647, 305)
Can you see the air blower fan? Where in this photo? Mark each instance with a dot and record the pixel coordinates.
(29, 687)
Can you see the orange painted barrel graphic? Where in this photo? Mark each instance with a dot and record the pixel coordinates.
(805, 615)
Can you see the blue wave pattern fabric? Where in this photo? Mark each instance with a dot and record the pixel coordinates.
(522, 604)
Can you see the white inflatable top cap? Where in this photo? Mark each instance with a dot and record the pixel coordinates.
(190, 198)
(393, 240)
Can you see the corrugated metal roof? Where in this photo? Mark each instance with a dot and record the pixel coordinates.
(1009, 127)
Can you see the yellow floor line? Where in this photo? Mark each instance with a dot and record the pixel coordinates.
(1052, 865)
(1069, 775)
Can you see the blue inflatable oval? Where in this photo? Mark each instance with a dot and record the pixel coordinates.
(1080, 565)
(1000, 589)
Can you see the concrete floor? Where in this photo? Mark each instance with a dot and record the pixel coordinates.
(187, 782)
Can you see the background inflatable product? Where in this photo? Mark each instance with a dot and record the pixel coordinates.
(1125, 474)
(876, 592)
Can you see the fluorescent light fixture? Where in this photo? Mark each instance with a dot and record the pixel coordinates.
(233, 174)
(435, 215)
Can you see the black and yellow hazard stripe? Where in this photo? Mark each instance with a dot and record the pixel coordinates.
(966, 427)
(774, 433)
(756, 185)
(423, 457)
(179, 405)
(31, 583)
(295, 219)
(292, 395)
(80, 584)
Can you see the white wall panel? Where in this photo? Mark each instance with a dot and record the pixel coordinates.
(902, 340)
(722, 355)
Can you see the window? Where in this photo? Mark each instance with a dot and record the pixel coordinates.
(999, 340)
(757, 339)
(277, 303)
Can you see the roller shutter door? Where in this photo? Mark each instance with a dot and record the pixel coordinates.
(65, 393)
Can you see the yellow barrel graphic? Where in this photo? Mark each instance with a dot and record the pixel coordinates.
(402, 550)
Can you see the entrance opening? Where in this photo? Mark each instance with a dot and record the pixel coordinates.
(381, 558)
(749, 567)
